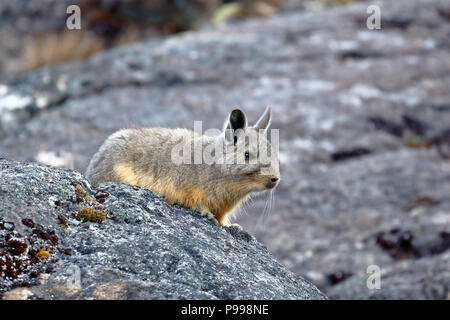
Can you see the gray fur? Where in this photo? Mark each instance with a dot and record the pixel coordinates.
(149, 150)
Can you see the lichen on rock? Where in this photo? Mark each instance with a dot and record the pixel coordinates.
(22, 257)
(87, 214)
(147, 250)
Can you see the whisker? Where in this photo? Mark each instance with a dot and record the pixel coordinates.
(261, 218)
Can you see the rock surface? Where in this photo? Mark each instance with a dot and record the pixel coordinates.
(365, 177)
(423, 279)
(144, 249)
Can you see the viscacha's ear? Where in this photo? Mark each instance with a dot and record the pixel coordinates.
(264, 122)
(236, 122)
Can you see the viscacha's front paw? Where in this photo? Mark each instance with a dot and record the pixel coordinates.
(210, 216)
(235, 226)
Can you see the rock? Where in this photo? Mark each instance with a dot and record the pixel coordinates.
(418, 280)
(334, 87)
(144, 249)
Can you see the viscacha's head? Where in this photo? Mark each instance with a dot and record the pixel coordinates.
(250, 160)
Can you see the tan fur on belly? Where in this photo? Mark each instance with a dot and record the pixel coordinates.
(192, 198)
(126, 173)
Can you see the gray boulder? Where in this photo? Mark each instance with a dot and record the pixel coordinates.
(118, 241)
(362, 117)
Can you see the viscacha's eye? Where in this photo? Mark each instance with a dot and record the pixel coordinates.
(247, 155)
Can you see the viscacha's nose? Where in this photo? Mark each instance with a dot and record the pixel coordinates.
(273, 183)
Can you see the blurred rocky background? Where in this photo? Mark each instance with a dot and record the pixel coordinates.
(34, 33)
(364, 115)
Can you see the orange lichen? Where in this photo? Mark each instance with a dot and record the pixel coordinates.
(42, 254)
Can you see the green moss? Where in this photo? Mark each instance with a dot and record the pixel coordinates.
(87, 214)
(80, 191)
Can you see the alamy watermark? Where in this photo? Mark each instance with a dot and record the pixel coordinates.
(373, 22)
(73, 21)
(253, 148)
(374, 280)
(74, 280)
